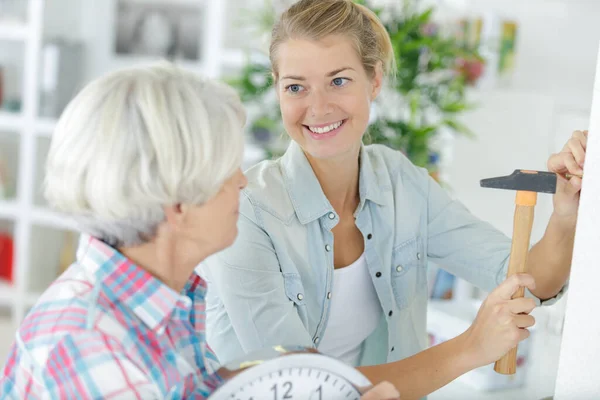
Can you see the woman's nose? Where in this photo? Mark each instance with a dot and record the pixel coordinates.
(320, 104)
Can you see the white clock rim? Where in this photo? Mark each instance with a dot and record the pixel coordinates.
(304, 360)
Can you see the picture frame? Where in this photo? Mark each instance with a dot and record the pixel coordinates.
(164, 29)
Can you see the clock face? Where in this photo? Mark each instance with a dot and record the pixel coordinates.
(298, 383)
(298, 376)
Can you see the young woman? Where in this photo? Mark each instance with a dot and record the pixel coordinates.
(335, 237)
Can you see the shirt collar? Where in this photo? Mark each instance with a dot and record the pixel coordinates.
(125, 283)
(304, 189)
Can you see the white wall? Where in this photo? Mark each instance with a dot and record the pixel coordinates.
(578, 373)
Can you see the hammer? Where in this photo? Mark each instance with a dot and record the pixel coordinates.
(527, 184)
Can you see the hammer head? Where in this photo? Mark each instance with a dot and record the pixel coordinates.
(524, 180)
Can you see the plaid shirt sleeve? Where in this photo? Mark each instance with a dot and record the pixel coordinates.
(212, 362)
(86, 365)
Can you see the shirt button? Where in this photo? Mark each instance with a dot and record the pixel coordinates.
(390, 313)
(300, 296)
(327, 247)
(328, 295)
(399, 268)
(316, 340)
(418, 256)
(369, 236)
(331, 215)
(392, 349)
(378, 274)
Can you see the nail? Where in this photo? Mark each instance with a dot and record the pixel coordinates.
(569, 176)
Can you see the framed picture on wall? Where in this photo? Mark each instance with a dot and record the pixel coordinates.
(168, 29)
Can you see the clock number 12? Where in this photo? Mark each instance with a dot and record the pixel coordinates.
(287, 388)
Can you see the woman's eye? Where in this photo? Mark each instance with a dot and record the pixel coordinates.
(294, 88)
(339, 81)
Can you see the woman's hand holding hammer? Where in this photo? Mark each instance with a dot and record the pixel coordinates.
(501, 322)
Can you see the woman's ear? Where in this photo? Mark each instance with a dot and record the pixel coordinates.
(377, 81)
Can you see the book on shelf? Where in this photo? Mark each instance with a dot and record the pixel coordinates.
(6, 257)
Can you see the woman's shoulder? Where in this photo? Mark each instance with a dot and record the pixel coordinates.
(265, 175)
(394, 166)
(382, 154)
(41, 330)
(266, 190)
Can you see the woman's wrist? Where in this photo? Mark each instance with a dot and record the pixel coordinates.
(466, 355)
(566, 222)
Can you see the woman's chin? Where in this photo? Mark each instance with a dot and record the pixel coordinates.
(331, 151)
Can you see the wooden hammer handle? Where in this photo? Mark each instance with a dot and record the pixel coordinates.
(523, 223)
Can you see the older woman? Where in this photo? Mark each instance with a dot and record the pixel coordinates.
(147, 161)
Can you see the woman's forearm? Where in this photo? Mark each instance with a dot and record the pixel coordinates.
(425, 372)
(549, 261)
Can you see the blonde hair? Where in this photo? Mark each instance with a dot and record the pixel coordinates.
(316, 19)
(138, 139)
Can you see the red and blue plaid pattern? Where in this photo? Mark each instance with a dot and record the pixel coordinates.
(108, 329)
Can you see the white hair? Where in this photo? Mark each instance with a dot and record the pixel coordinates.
(139, 139)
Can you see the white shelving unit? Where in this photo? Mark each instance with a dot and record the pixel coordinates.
(18, 211)
(37, 231)
(14, 32)
(8, 209)
(10, 121)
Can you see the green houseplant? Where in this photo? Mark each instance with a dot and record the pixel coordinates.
(427, 95)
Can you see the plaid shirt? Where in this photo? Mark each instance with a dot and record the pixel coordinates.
(108, 329)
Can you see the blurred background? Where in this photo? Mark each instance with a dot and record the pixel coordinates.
(484, 87)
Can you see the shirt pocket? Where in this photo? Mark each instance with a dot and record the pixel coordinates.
(294, 289)
(408, 271)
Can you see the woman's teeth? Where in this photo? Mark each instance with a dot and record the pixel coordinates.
(325, 129)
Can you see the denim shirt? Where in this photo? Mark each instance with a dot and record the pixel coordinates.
(274, 285)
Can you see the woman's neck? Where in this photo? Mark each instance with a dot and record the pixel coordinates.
(339, 179)
(165, 259)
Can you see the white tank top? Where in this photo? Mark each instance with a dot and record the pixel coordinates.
(354, 312)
